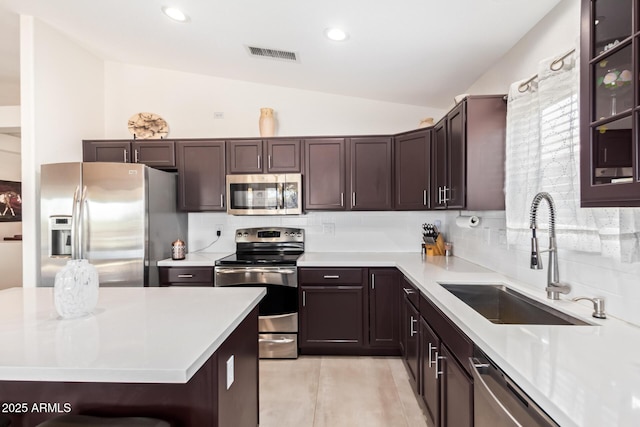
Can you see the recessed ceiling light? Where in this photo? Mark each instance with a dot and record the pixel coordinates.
(335, 34)
(175, 14)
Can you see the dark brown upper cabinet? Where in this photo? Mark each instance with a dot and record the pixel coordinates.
(609, 103)
(155, 153)
(467, 167)
(263, 156)
(324, 174)
(283, 155)
(201, 175)
(413, 170)
(370, 173)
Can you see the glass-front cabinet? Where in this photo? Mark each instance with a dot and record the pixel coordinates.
(610, 106)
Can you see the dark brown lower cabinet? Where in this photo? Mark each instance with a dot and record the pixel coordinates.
(331, 318)
(185, 276)
(429, 373)
(383, 308)
(456, 393)
(446, 385)
(409, 332)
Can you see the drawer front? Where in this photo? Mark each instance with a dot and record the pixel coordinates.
(459, 344)
(186, 275)
(331, 276)
(410, 292)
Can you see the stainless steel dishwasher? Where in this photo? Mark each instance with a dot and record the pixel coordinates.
(498, 401)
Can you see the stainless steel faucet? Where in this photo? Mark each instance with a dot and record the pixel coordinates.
(554, 287)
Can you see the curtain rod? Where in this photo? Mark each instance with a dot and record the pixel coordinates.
(556, 65)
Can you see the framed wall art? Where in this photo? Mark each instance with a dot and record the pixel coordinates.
(10, 201)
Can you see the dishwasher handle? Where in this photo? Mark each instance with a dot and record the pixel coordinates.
(498, 401)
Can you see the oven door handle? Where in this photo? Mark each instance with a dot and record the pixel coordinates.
(254, 270)
(276, 340)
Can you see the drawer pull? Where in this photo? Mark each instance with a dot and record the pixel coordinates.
(329, 276)
(408, 291)
(276, 340)
(185, 276)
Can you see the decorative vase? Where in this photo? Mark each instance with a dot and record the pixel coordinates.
(267, 122)
(75, 290)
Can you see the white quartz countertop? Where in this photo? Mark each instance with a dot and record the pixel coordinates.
(580, 375)
(138, 335)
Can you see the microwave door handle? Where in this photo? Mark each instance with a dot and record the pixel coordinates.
(280, 196)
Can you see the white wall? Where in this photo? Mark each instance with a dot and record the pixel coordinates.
(62, 100)
(10, 251)
(588, 274)
(188, 102)
(554, 35)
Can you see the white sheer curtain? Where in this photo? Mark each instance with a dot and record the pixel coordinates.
(543, 155)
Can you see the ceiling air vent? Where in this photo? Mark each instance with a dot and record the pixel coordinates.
(280, 55)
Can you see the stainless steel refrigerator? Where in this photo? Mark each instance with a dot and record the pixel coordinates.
(124, 216)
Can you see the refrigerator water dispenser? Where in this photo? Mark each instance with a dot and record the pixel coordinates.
(60, 231)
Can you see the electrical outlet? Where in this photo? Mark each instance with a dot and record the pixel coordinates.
(329, 228)
(502, 236)
(487, 235)
(218, 115)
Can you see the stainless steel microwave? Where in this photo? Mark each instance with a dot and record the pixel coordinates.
(268, 194)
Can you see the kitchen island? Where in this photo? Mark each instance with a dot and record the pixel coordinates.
(185, 355)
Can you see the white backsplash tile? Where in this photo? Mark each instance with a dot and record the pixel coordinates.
(588, 274)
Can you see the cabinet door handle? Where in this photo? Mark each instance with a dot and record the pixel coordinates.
(439, 195)
(124, 152)
(269, 159)
(185, 276)
(412, 332)
(373, 281)
(304, 298)
(259, 162)
(605, 155)
(222, 200)
(424, 197)
(331, 276)
(408, 291)
(341, 199)
(353, 198)
(445, 199)
(135, 156)
(438, 372)
(431, 348)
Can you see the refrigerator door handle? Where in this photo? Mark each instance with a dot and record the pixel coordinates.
(74, 224)
(81, 223)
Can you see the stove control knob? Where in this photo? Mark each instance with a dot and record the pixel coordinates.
(299, 234)
(245, 234)
(239, 234)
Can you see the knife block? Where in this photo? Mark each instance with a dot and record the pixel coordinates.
(436, 249)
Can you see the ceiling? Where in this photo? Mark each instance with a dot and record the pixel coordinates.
(419, 52)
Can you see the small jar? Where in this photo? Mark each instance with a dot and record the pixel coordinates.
(178, 250)
(448, 248)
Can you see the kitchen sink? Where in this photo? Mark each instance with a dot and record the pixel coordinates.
(503, 305)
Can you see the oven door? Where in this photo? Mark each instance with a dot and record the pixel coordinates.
(278, 310)
(269, 194)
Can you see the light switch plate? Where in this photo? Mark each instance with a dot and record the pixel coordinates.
(230, 373)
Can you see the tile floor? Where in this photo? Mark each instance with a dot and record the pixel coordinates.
(323, 391)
